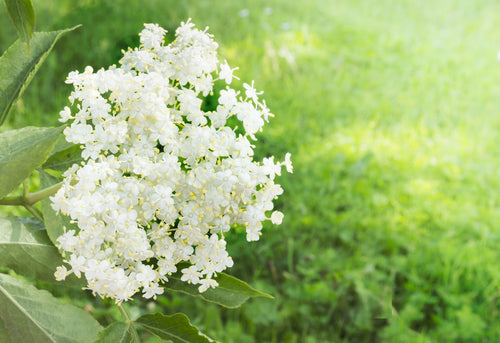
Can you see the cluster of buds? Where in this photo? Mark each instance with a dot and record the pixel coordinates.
(162, 179)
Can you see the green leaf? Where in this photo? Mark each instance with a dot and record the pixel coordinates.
(22, 14)
(21, 152)
(17, 69)
(230, 293)
(26, 249)
(118, 332)
(31, 315)
(176, 328)
(63, 156)
(54, 222)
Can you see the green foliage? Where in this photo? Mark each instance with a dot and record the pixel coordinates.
(21, 152)
(26, 249)
(17, 68)
(118, 332)
(23, 16)
(32, 315)
(63, 156)
(176, 328)
(230, 293)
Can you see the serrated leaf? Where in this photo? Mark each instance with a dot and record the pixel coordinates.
(26, 249)
(63, 156)
(54, 222)
(21, 152)
(118, 332)
(31, 315)
(176, 328)
(23, 16)
(17, 69)
(231, 292)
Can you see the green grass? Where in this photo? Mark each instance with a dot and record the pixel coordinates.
(391, 112)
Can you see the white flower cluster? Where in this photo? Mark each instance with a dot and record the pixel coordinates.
(163, 180)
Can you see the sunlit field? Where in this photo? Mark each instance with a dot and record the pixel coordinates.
(391, 110)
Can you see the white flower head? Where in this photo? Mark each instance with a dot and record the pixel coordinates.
(163, 178)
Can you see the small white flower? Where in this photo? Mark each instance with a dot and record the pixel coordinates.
(61, 273)
(226, 73)
(251, 92)
(253, 233)
(228, 98)
(190, 275)
(152, 36)
(206, 284)
(288, 162)
(277, 217)
(77, 264)
(152, 290)
(270, 168)
(65, 114)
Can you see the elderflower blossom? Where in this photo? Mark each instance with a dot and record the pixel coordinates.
(162, 179)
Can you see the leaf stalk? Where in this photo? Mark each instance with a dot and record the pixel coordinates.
(130, 323)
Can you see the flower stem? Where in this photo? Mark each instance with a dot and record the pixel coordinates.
(132, 330)
(22, 201)
(44, 193)
(29, 199)
(26, 189)
(12, 201)
(34, 212)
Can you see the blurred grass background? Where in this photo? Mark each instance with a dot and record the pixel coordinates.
(391, 113)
